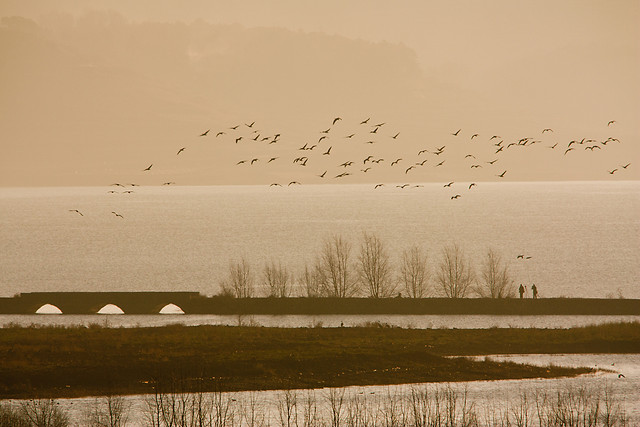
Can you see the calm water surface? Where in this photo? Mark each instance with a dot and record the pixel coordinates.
(583, 237)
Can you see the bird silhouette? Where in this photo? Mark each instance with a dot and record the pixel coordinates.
(474, 135)
(350, 136)
(547, 130)
(440, 164)
(238, 139)
(621, 376)
(335, 120)
(250, 125)
(272, 159)
(456, 133)
(220, 133)
(234, 127)
(625, 166)
(241, 162)
(275, 184)
(402, 186)
(473, 184)
(364, 122)
(293, 182)
(457, 196)
(169, 183)
(328, 152)
(568, 149)
(117, 214)
(611, 122)
(449, 184)
(148, 168)
(254, 160)
(502, 174)
(395, 162)
(366, 170)
(612, 171)
(396, 135)
(378, 186)
(181, 150)
(553, 146)
(322, 174)
(422, 151)
(205, 132)
(492, 161)
(76, 211)
(408, 169)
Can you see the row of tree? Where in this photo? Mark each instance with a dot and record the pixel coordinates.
(337, 273)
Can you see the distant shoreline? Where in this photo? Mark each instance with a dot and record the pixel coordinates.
(196, 303)
(90, 361)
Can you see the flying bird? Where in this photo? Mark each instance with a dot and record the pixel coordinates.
(568, 149)
(472, 185)
(408, 169)
(220, 133)
(250, 125)
(547, 130)
(474, 135)
(148, 168)
(396, 135)
(181, 150)
(76, 211)
(238, 139)
(205, 132)
(272, 159)
(323, 174)
(254, 160)
(364, 122)
(366, 170)
(553, 146)
(612, 171)
(502, 174)
(439, 164)
(625, 166)
(328, 152)
(117, 214)
(293, 182)
(456, 133)
(169, 183)
(275, 184)
(395, 162)
(611, 122)
(402, 186)
(449, 184)
(456, 196)
(378, 186)
(335, 120)
(350, 136)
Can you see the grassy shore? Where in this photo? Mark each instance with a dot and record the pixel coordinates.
(79, 361)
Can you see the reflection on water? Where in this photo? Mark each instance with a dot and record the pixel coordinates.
(483, 397)
(329, 321)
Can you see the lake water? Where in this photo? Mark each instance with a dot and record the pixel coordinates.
(583, 237)
(486, 396)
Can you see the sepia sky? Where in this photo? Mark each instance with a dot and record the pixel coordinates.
(94, 91)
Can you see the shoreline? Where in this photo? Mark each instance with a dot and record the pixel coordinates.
(94, 361)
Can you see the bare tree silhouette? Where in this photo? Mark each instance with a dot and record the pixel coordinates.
(455, 275)
(374, 267)
(239, 282)
(334, 269)
(414, 272)
(277, 280)
(496, 280)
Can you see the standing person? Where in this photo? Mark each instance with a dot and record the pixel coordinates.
(534, 291)
(521, 290)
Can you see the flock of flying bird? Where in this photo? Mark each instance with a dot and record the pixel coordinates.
(329, 141)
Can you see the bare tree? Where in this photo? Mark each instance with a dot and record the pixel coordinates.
(44, 413)
(239, 283)
(311, 280)
(109, 411)
(414, 272)
(374, 267)
(455, 275)
(334, 269)
(277, 279)
(496, 280)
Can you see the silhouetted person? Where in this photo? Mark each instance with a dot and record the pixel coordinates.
(521, 290)
(534, 291)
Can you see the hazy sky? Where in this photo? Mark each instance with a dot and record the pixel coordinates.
(94, 91)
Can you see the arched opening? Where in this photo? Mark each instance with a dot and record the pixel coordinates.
(171, 309)
(110, 309)
(48, 309)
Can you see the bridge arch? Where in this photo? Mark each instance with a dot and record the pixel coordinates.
(171, 308)
(110, 309)
(48, 309)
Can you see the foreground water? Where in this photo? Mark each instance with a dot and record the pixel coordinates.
(483, 397)
(581, 237)
(304, 321)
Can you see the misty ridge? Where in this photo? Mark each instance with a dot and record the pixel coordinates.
(97, 60)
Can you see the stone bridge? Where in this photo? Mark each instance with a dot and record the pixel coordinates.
(93, 302)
